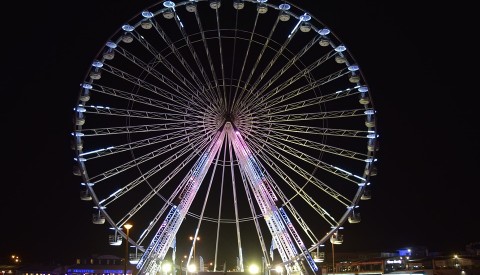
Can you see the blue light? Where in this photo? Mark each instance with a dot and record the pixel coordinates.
(128, 28)
(353, 68)
(340, 169)
(369, 112)
(305, 17)
(147, 14)
(92, 152)
(340, 48)
(112, 271)
(84, 271)
(284, 7)
(262, 1)
(111, 45)
(80, 109)
(363, 89)
(100, 107)
(168, 4)
(324, 31)
(87, 86)
(97, 64)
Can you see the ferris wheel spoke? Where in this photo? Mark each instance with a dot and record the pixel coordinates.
(314, 101)
(274, 59)
(181, 133)
(220, 54)
(309, 144)
(277, 220)
(309, 232)
(148, 101)
(298, 191)
(195, 55)
(182, 60)
(302, 156)
(286, 202)
(154, 192)
(291, 61)
(248, 193)
(162, 93)
(184, 144)
(199, 91)
(186, 162)
(193, 94)
(312, 202)
(209, 58)
(273, 100)
(313, 130)
(247, 54)
(149, 128)
(270, 150)
(232, 68)
(292, 118)
(186, 118)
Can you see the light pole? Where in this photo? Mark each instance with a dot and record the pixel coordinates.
(194, 245)
(127, 226)
(455, 263)
(333, 258)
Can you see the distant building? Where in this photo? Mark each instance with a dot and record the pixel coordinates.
(40, 270)
(99, 265)
(8, 269)
(405, 261)
(473, 248)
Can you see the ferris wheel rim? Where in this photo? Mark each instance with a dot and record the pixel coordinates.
(214, 125)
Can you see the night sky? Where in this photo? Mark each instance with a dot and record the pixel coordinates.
(417, 61)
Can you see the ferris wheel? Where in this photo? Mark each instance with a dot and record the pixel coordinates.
(248, 123)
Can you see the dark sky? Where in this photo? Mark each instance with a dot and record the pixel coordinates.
(417, 61)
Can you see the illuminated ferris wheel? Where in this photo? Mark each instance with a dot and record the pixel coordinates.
(246, 122)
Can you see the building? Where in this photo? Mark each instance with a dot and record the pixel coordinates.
(405, 261)
(414, 260)
(99, 265)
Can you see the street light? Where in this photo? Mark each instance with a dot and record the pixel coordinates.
(279, 269)
(166, 267)
(253, 269)
(456, 264)
(192, 268)
(335, 238)
(194, 245)
(333, 258)
(15, 259)
(127, 226)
